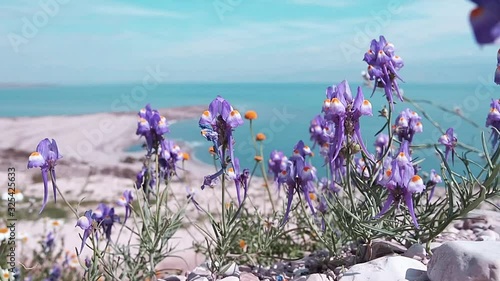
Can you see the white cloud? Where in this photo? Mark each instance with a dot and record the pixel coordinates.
(129, 10)
(324, 3)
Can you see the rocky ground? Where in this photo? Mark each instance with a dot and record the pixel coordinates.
(467, 250)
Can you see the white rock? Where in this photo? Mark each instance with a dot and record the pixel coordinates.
(465, 261)
(389, 268)
(230, 278)
(245, 276)
(416, 251)
(231, 270)
(319, 277)
(488, 235)
(199, 278)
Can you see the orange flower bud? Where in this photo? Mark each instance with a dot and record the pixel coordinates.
(258, 158)
(185, 156)
(260, 137)
(211, 150)
(243, 244)
(251, 115)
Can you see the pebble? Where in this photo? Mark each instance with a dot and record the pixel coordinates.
(245, 276)
(230, 278)
(465, 261)
(319, 277)
(231, 270)
(488, 235)
(416, 251)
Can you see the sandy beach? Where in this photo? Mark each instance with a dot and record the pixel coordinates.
(96, 168)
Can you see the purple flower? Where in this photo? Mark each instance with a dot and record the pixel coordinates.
(497, 72)
(298, 177)
(401, 182)
(49, 242)
(45, 158)
(86, 223)
(408, 123)
(277, 163)
(344, 113)
(55, 274)
(170, 154)
(485, 21)
(493, 121)
(152, 126)
(383, 67)
(434, 179)
(320, 130)
(240, 179)
(449, 140)
(217, 125)
(105, 217)
(381, 145)
(126, 201)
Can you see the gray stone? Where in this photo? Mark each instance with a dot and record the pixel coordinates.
(230, 270)
(389, 268)
(230, 278)
(380, 248)
(319, 277)
(175, 278)
(465, 261)
(300, 271)
(198, 278)
(488, 235)
(198, 272)
(416, 251)
(299, 278)
(245, 276)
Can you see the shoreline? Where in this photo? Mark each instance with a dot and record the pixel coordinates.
(96, 166)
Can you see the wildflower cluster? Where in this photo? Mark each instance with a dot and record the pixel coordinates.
(383, 67)
(493, 121)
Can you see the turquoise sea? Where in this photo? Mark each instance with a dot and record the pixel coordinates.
(284, 110)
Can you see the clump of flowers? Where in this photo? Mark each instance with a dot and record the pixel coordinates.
(485, 19)
(298, 176)
(383, 67)
(493, 121)
(152, 126)
(401, 181)
(217, 125)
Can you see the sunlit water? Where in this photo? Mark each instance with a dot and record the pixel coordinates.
(284, 110)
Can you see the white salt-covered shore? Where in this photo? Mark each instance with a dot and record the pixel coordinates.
(96, 168)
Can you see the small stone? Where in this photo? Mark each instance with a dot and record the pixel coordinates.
(202, 271)
(230, 278)
(299, 278)
(245, 276)
(300, 271)
(230, 270)
(245, 268)
(465, 261)
(387, 268)
(319, 277)
(416, 251)
(380, 248)
(488, 235)
(173, 278)
(198, 278)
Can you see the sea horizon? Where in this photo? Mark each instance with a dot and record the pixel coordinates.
(300, 101)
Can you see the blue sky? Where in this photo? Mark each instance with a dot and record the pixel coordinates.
(96, 41)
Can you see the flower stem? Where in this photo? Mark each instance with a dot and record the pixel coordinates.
(62, 196)
(264, 174)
